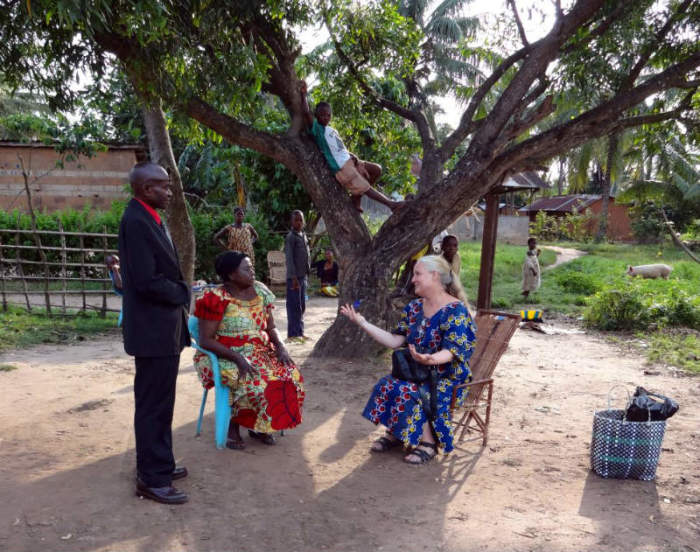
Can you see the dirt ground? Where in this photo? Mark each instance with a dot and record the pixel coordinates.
(67, 461)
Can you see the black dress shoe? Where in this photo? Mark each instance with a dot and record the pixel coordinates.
(164, 495)
(179, 473)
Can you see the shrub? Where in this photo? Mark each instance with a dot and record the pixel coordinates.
(647, 222)
(682, 311)
(578, 282)
(573, 226)
(617, 309)
(639, 305)
(205, 223)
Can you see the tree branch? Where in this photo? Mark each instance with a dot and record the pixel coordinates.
(557, 7)
(599, 121)
(652, 46)
(516, 128)
(519, 23)
(543, 52)
(652, 118)
(412, 115)
(531, 97)
(238, 133)
(601, 29)
(467, 124)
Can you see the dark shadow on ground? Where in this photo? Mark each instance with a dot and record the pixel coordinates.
(305, 493)
(622, 507)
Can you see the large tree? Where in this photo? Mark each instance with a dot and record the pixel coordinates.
(216, 61)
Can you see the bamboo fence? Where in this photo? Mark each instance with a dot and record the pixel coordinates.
(71, 267)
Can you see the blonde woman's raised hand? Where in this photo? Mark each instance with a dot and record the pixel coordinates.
(352, 314)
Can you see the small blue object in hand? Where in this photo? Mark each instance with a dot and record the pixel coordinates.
(356, 304)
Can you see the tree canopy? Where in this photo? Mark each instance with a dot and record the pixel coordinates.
(222, 63)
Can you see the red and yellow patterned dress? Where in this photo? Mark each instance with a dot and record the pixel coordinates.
(269, 400)
(240, 238)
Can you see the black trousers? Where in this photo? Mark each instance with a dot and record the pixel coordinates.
(154, 398)
(296, 306)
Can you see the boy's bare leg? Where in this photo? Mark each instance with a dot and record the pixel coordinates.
(357, 202)
(371, 171)
(381, 198)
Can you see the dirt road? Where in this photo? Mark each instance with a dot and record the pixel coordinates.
(67, 462)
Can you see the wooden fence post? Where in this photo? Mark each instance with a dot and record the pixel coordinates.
(103, 312)
(82, 270)
(64, 268)
(2, 279)
(20, 270)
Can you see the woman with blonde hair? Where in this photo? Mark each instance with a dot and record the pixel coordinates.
(439, 331)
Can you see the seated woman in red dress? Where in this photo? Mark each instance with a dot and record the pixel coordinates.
(236, 324)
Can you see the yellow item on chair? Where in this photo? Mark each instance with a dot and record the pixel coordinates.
(329, 291)
(531, 315)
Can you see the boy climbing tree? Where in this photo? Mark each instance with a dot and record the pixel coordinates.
(356, 175)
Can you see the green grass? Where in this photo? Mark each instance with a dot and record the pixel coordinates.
(21, 329)
(7, 367)
(666, 310)
(568, 288)
(675, 348)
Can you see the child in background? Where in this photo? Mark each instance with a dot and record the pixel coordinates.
(112, 262)
(327, 272)
(531, 268)
(296, 252)
(450, 250)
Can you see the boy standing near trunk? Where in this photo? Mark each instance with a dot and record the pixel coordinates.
(296, 252)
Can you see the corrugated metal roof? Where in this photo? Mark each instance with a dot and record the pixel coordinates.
(561, 204)
(528, 180)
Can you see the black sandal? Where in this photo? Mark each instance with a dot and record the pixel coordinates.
(423, 455)
(385, 444)
(264, 438)
(235, 444)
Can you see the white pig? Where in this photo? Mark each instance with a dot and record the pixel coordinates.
(650, 271)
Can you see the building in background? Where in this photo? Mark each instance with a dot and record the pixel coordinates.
(96, 181)
(619, 226)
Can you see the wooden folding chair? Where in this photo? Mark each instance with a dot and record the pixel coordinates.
(493, 332)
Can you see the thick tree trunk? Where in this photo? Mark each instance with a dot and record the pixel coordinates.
(368, 282)
(605, 191)
(178, 219)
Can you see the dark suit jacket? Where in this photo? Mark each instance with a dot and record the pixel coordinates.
(156, 296)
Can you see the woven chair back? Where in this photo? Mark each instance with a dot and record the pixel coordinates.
(493, 332)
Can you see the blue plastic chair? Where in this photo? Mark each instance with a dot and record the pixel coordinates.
(222, 405)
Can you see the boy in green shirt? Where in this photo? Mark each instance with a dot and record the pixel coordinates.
(355, 175)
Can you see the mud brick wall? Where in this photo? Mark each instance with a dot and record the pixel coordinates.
(95, 181)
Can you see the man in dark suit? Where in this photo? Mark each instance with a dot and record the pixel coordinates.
(155, 304)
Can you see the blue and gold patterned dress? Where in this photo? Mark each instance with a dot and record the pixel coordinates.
(398, 404)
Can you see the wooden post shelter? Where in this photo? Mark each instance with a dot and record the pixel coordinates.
(528, 181)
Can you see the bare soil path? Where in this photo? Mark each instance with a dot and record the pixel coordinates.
(564, 255)
(67, 462)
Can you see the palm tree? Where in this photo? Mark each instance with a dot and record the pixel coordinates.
(442, 64)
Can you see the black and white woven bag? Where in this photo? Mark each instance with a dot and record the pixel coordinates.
(621, 449)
